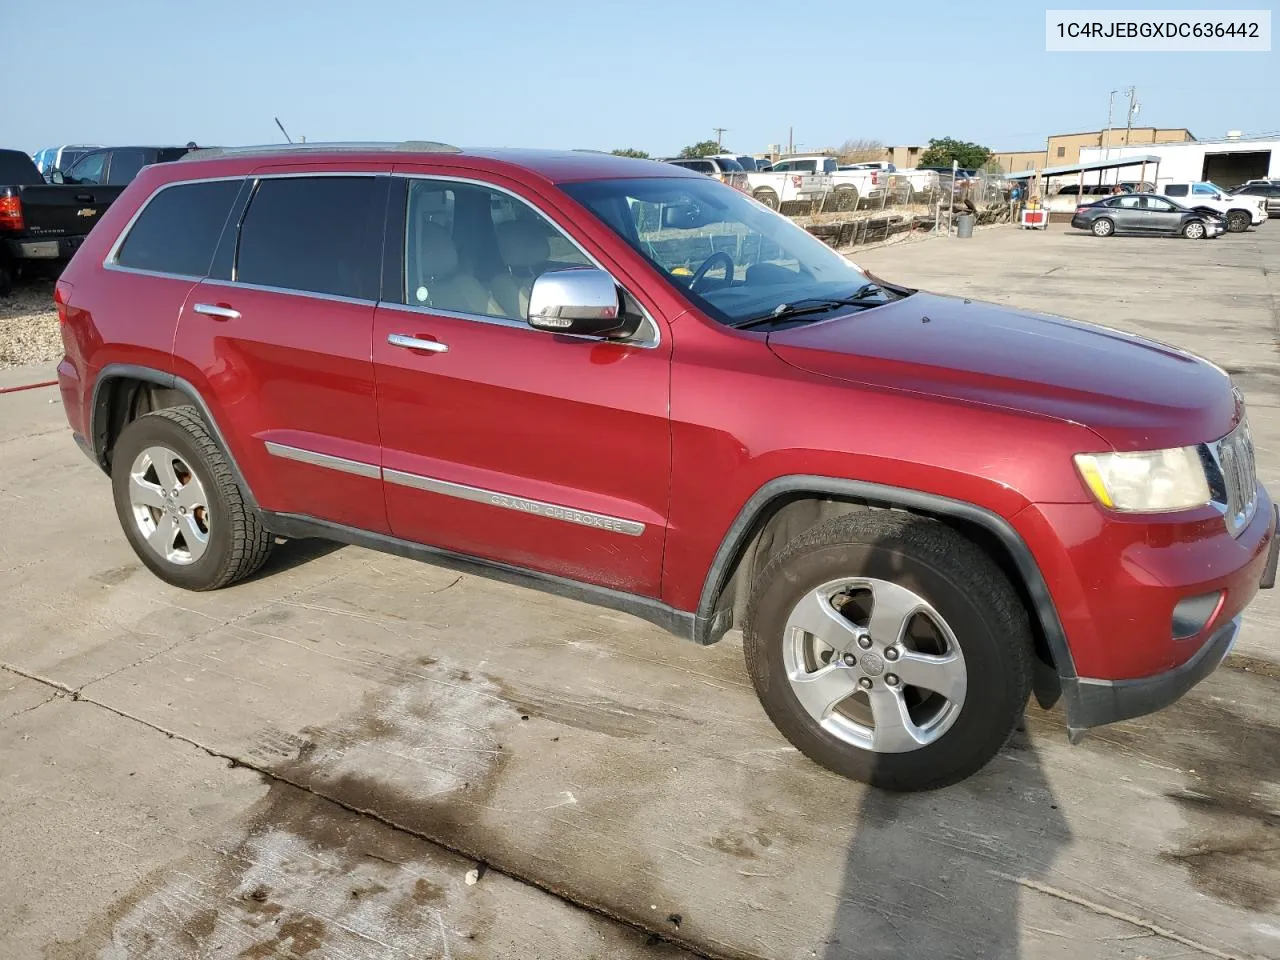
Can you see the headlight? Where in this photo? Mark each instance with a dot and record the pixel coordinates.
(1150, 482)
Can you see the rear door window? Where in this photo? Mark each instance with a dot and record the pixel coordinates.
(125, 165)
(315, 235)
(178, 230)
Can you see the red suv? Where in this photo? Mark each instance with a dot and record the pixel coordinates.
(630, 384)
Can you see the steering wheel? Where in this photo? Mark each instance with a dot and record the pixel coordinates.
(718, 257)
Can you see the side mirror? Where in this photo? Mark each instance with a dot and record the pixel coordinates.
(57, 177)
(582, 301)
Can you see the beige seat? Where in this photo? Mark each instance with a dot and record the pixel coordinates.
(434, 278)
(524, 250)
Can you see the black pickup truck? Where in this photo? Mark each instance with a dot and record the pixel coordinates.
(44, 223)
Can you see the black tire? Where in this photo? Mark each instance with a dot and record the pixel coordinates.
(846, 199)
(767, 197)
(1238, 221)
(1103, 227)
(6, 275)
(959, 581)
(238, 543)
(1194, 230)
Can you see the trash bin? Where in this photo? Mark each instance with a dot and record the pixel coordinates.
(964, 225)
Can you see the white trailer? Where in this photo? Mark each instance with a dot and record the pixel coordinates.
(1225, 162)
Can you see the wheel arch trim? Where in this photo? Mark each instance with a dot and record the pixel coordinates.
(99, 422)
(706, 619)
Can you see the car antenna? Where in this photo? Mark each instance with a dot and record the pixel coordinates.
(282, 129)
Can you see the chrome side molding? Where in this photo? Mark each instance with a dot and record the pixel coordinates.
(460, 491)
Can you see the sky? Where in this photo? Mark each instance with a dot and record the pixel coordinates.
(653, 74)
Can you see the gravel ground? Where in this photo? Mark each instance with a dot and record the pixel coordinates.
(29, 325)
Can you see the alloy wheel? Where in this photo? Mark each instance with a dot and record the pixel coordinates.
(170, 507)
(874, 664)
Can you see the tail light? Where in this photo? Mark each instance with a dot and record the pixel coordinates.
(797, 182)
(1081, 209)
(875, 178)
(11, 214)
(61, 297)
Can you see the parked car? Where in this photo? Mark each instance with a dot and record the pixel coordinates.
(40, 224)
(1267, 189)
(1021, 503)
(746, 161)
(1241, 212)
(849, 187)
(60, 158)
(725, 169)
(1149, 214)
(116, 166)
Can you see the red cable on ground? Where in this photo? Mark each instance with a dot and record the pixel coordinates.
(29, 386)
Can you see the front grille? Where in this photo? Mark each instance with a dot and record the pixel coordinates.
(1235, 486)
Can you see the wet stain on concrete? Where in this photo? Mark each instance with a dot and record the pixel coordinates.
(1230, 845)
(116, 575)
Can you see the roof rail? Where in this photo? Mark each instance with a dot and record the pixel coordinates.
(275, 149)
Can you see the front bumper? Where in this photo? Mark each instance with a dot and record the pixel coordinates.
(56, 248)
(1093, 701)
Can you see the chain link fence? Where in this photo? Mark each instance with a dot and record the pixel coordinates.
(858, 211)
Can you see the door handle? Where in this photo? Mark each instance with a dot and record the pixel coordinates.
(217, 312)
(85, 197)
(415, 343)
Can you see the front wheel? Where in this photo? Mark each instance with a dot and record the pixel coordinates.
(1238, 221)
(1194, 230)
(890, 649)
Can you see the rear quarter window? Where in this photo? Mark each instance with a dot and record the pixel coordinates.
(316, 235)
(1175, 190)
(178, 229)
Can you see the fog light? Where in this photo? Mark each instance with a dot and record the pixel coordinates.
(1193, 614)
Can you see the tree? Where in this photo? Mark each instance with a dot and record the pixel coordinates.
(703, 148)
(944, 149)
(630, 152)
(860, 150)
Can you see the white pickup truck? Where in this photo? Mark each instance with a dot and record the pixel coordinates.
(1242, 212)
(775, 188)
(849, 187)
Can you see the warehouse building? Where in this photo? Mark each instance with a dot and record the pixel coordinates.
(1227, 162)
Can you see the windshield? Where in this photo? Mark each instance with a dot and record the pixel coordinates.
(736, 259)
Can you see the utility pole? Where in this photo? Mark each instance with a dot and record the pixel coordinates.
(1106, 137)
(791, 140)
(1128, 122)
(720, 132)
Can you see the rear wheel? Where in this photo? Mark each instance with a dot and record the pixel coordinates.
(846, 198)
(6, 275)
(890, 649)
(179, 504)
(1103, 227)
(767, 197)
(1194, 230)
(1238, 221)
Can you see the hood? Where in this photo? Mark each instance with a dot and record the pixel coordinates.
(1134, 393)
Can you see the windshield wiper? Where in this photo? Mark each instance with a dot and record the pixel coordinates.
(808, 305)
